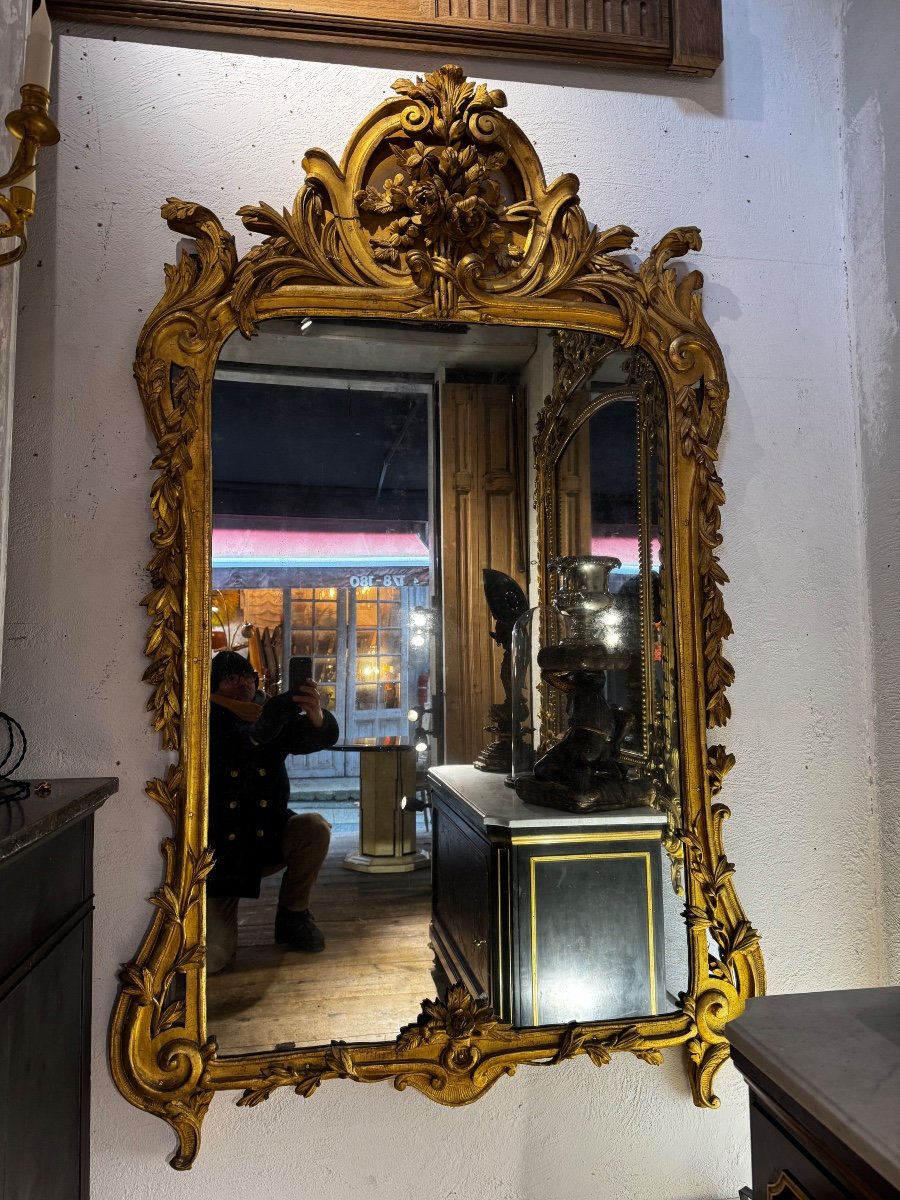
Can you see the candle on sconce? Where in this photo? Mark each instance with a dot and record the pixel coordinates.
(39, 49)
(33, 127)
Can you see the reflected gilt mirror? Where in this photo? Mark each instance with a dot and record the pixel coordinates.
(444, 447)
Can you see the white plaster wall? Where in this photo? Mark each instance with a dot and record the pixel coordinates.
(752, 157)
(872, 113)
(13, 25)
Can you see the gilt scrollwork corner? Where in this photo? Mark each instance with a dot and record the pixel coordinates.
(181, 321)
(156, 1056)
(715, 919)
(170, 1084)
(710, 1010)
(165, 1072)
(186, 1119)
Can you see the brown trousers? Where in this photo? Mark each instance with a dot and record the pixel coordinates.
(303, 850)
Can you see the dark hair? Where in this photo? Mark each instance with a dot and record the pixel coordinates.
(225, 663)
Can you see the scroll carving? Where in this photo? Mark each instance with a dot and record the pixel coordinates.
(439, 209)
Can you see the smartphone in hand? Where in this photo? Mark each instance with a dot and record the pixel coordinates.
(299, 672)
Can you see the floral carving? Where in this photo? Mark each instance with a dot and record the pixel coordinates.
(719, 763)
(155, 988)
(457, 1019)
(716, 622)
(446, 199)
(304, 245)
(449, 196)
(168, 792)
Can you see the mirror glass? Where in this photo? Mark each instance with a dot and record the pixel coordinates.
(607, 502)
(363, 475)
(608, 494)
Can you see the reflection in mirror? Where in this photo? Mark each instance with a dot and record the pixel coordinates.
(364, 474)
(606, 494)
(610, 491)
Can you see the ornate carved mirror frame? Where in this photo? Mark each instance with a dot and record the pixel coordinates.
(438, 211)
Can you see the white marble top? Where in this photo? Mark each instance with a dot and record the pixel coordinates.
(487, 795)
(837, 1055)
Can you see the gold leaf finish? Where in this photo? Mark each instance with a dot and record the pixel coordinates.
(439, 209)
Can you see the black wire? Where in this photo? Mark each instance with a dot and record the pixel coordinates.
(13, 789)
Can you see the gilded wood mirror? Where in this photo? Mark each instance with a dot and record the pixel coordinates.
(379, 401)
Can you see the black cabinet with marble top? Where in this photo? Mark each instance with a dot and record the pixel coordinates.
(551, 916)
(824, 1076)
(46, 898)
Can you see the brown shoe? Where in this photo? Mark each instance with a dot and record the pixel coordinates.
(298, 930)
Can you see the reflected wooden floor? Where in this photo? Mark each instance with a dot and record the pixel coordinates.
(368, 982)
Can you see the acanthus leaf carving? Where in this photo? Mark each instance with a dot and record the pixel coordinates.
(305, 245)
(439, 208)
(165, 637)
(719, 673)
(719, 911)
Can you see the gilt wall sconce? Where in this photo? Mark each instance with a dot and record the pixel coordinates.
(32, 125)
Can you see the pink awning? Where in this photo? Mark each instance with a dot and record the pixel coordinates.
(625, 549)
(282, 548)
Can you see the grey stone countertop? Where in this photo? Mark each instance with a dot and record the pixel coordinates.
(487, 795)
(366, 745)
(837, 1056)
(24, 822)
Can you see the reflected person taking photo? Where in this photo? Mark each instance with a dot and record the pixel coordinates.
(252, 831)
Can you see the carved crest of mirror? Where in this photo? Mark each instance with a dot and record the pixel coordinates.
(434, 407)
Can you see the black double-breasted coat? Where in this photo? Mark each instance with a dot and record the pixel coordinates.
(248, 795)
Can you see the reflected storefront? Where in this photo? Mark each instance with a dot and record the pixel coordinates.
(344, 599)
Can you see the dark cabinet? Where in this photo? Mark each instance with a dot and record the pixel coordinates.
(550, 916)
(46, 846)
(824, 1076)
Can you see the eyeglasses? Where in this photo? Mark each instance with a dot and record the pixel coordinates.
(236, 677)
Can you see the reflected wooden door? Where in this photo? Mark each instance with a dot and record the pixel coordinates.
(480, 527)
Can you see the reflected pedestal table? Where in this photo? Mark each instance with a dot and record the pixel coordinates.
(387, 832)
